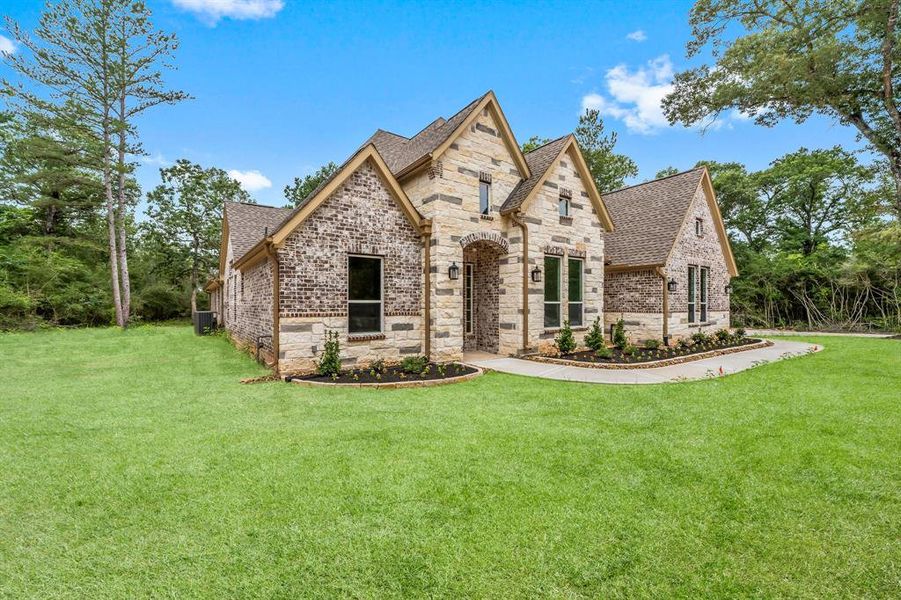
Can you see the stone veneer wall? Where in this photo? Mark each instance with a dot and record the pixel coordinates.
(448, 193)
(637, 296)
(361, 217)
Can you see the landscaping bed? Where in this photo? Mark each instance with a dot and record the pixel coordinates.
(393, 375)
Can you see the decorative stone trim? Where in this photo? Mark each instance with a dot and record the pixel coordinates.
(394, 384)
(650, 364)
(554, 250)
(402, 313)
(566, 220)
(436, 169)
(369, 337)
(553, 330)
(579, 254)
(486, 236)
(487, 217)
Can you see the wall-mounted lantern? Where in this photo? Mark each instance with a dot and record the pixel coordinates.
(671, 285)
(536, 275)
(453, 272)
(728, 289)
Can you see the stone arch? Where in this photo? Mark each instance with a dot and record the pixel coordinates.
(486, 236)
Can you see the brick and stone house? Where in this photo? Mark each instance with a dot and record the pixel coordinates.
(448, 241)
(668, 259)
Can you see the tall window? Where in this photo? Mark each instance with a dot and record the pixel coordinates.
(467, 297)
(484, 197)
(364, 294)
(705, 281)
(699, 227)
(551, 291)
(563, 204)
(574, 308)
(692, 290)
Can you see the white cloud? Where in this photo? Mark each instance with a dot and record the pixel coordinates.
(155, 160)
(637, 36)
(213, 10)
(635, 96)
(7, 46)
(252, 181)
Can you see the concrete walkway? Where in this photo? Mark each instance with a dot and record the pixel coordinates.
(789, 332)
(699, 369)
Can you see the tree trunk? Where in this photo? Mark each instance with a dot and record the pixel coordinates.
(122, 213)
(895, 165)
(113, 253)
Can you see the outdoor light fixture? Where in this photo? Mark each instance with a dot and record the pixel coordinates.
(536, 275)
(453, 272)
(728, 289)
(671, 285)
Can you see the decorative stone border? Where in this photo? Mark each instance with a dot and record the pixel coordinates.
(393, 384)
(649, 364)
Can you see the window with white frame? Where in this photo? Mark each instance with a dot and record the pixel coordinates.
(552, 277)
(692, 291)
(699, 227)
(574, 299)
(484, 197)
(564, 203)
(705, 283)
(364, 294)
(467, 298)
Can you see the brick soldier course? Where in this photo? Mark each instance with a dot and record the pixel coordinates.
(417, 205)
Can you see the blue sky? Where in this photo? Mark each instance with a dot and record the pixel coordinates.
(283, 86)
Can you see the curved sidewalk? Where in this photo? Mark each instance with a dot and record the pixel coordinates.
(699, 369)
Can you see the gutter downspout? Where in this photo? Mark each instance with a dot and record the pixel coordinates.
(515, 217)
(276, 302)
(426, 230)
(662, 273)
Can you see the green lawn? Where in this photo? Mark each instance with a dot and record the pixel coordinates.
(135, 465)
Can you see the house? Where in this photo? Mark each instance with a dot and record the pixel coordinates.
(668, 259)
(448, 241)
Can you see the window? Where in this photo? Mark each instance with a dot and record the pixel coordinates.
(705, 281)
(242, 289)
(551, 291)
(467, 298)
(565, 203)
(692, 279)
(484, 197)
(364, 294)
(699, 227)
(574, 275)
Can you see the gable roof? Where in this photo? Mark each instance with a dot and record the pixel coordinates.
(649, 217)
(247, 224)
(540, 161)
(406, 155)
(285, 226)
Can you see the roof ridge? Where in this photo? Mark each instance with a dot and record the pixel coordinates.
(390, 133)
(255, 204)
(435, 120)
(548, 143)
(468, 104)
(635, 185)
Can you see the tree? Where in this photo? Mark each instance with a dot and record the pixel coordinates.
(608, 169)
(100, 66)
(666, 172)
(746, 207)
(185, 218)
(533, 143)
(298, 191)
(777, 59)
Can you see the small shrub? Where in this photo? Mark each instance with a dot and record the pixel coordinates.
(619, 334)
(594, 339)
(723, 335)
(652, 344)
(565, 340)
(414, 364)
(330, 361)
(629, 349)
(378, 365)
(740, 333)
(699, 337)
(604, 352)
(684, 343)
(442, 370)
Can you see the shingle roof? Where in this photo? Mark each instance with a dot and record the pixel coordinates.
(248, 223)
(539, 161)
(647, 217)
(400, 152)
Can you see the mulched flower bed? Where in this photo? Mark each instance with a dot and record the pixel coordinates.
(393, 374)
(645, 355)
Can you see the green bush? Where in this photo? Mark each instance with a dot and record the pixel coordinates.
(604, 352)
(652, 344)
(161, 302)
(594, 339)
(740, 333)
(565, 340)
(723, 335)
(699, 337)
(330, 361)
(630, 350)
(619, 334)
(414, 364)
(684, 343)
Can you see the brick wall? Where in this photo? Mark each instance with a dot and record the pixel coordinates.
(254, 315)
(360, 217)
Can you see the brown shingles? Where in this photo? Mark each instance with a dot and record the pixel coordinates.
(539, 161)
(647, 217)
(248, 224)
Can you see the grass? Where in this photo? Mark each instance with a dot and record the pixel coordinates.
(135, 465)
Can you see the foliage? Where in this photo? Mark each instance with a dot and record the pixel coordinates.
(594, 339)
(630, 350)
(778, 59)
(666, 172)
(565, 340)
(608, 169)
(603, 352)
(533, 143)
(330, 361)
(723, 335)
(414, 364)
(699, 337)
(298, 191)
(619, 334)
(651, 344)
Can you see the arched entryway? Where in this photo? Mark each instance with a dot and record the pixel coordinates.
(481, 298)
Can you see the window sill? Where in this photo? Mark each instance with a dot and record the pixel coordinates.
(365, 337)
(548, 330)
(702, 324)
(487, 217)
(566, 220)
